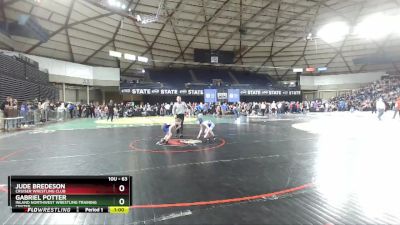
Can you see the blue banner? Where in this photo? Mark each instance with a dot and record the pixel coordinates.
(233, 95)
(210, 95)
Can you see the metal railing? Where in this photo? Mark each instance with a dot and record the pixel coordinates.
(39, 116)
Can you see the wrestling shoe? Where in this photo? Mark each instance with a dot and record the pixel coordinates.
(161, 142)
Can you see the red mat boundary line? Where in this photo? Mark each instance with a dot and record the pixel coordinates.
(225, 201)
(3, 158)
(213, 202)
(3, 188)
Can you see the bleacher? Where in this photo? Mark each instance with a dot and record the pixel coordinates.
(207, 75)
(23, 81)
(19, 89)
(202, 78)
(176, 78)
(11, 67)
(252, 78)
(126, 84)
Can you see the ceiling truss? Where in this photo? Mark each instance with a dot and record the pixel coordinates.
(273, 42)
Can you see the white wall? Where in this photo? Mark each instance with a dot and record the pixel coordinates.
(105, 73)
(75, 73)
(62, 68)
(70, 95)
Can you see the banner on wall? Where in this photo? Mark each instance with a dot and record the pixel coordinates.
(210, 95)
(233, 95)
(265, 92)
(222, 96)
(156, 91)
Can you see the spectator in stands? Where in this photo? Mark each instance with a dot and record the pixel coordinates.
(235, 110)
(218, 111)
(199, 108)
(10, 110)
(263, 108)
(80, 109)
(380, 107)
(256, 108)
(365, 98)
(397, 108)
(167, 107)
(189, 109)
(110, 107)
(61, 111)
(115, 111)
(162, 110)
(24, 111)
(373, 107)
(102, 111)
(3, 104)
(273, 107)
(205, 108)
(11, 107)
(44, 109)
(14, 108)
(2, 111)
(71, 109)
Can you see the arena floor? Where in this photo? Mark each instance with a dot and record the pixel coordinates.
(327, 168)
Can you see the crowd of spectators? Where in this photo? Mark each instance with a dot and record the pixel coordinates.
(130, 109)
(35, 111)
(9, 107)
(364, 99)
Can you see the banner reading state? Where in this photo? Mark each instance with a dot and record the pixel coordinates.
(232, 93)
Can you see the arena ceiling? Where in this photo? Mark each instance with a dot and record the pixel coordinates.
(266, 35)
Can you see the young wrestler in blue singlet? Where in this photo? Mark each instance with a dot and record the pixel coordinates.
(206, 127)
(168, 130)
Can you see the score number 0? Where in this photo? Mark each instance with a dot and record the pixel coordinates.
(121, 188)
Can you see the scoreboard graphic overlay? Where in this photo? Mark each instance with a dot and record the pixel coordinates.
(70, 194)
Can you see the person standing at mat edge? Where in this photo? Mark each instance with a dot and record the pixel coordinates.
(397, 108)
(380, 107)
(179, 110)
(110, 107)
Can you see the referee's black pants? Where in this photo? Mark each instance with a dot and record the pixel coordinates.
(180, 130)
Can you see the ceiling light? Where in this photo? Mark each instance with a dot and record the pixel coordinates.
(115, 54)
(297, 70)
(143, 71)
(333, 32)
(129, 57)
(309, 36)
(143, 59)
(113, 3)
(320, 69)
(376, 26)
(123, 6)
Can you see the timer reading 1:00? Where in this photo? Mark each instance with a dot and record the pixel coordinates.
(118, 209)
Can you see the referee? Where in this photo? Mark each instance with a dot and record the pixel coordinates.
(179, 110)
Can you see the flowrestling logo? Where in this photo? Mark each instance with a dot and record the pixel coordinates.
(182, 142)
(190, 141)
